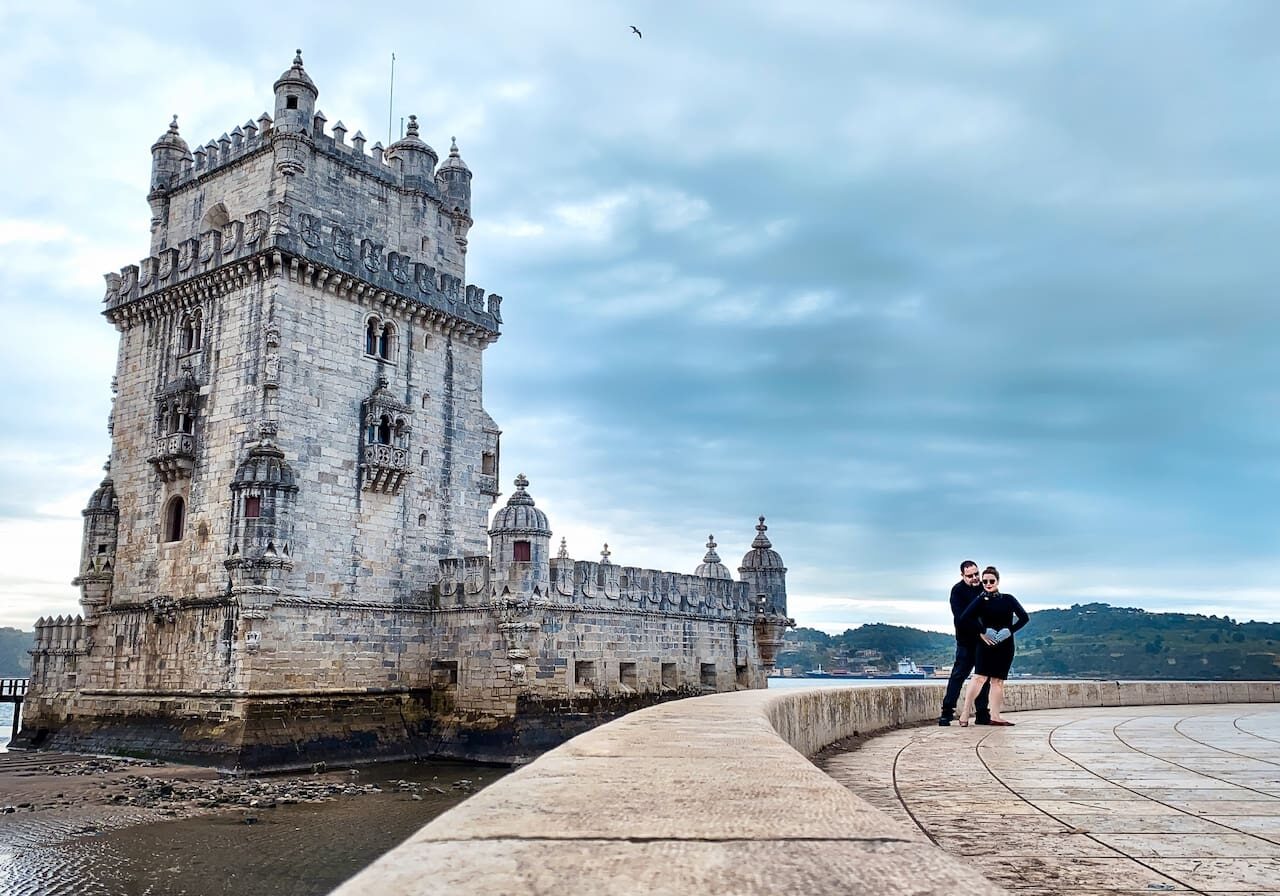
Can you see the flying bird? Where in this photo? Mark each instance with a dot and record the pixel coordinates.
(637, 31)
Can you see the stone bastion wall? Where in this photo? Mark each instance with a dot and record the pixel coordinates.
(716, 794)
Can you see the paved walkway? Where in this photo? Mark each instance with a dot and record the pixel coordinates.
(1138, 799)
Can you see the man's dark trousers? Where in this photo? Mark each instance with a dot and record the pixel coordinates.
(966, 655)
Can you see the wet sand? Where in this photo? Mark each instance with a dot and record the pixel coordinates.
(80, 826)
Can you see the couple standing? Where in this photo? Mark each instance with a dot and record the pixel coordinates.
(985, 620)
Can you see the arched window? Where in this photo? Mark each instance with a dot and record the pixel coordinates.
(175, 519)
(426, 455)
(192, 336)
(386, 342)
(422, 519)
(371, 333)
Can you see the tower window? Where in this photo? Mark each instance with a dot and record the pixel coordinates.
(175, 519)
(520, 550)
(192, 336)
(386, 341)
(371, 333)
(488, 464)
(252, 507)
(291, 102)
(422, 519)
(384, 430)
(426, 455)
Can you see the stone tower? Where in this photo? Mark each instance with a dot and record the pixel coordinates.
(299, 347)
(764, 573)
(290, 558)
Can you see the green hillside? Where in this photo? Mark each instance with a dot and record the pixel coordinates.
(15, 662)
(1084, 641)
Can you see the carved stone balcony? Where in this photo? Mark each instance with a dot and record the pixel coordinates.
(386, 468)
(174, 456)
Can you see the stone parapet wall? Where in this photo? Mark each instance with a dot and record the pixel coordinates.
(716, 795)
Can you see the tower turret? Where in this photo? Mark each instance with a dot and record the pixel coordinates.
(98, 549)
(169, 155)
(296, 96)
(711, 567)
(520, 544)
(762, 569)
(454, 180)
(417, 159)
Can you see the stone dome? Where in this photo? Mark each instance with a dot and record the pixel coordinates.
(762, 555)
(454, 159)
(412, 142)
(297, 76)
(171, 139)
(103, 498)
(265, 465)
(711, 567)
(520, 517)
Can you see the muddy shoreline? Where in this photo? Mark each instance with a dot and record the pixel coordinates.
(99, 826)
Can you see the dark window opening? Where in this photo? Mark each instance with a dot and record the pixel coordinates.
(488, 464)
(521, 550)
(444, 673)
(385, 342)
(669, 677)
(627, 674)
(252, 506)
(291, 102)
(384, 430)
(708, 675)
(175, 519)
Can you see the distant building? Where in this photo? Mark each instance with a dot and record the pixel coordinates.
(291, 556)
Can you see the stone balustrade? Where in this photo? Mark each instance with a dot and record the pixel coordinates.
(715, 795)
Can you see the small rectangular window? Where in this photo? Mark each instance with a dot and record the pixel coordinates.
(627, 675)
(444, 673)
(670, 680)
(252, 507)
(488, 464)
(520, 551)
(708, 675)
(584, 673)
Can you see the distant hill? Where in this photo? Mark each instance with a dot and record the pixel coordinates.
(1084, 641)
(15, 662)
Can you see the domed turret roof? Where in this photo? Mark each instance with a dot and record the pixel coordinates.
(265, 465)
(455, 158)
(761, 555)
(411, 142)
(103, 497)
(520, 517)
(171, 139)
(711, 567)
(296, 75)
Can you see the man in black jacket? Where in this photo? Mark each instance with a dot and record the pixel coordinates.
(963, 593)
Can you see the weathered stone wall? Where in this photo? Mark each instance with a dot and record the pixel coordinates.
(715, 795)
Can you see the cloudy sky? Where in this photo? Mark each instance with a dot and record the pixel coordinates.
(917, 281)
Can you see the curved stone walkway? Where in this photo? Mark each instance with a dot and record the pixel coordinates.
(1133, 799)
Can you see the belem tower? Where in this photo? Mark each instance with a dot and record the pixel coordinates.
(291, 556)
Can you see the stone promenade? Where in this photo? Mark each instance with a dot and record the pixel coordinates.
(1130, 799)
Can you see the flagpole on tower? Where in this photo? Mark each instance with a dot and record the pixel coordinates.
(392, 100)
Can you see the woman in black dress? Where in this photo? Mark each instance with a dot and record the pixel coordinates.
(997, 616)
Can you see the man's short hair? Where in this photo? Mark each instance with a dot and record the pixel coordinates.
(966, 564)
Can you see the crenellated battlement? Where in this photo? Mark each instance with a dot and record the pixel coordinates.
(60, 634)
(384, 164)
(583, 584)
(362, 258)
